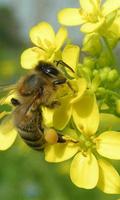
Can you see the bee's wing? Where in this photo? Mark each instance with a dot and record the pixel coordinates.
(6, 92)
(7, 132)
(7, 88)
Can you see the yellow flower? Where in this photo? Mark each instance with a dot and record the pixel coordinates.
(47, 45)
(92, 16)
(65, 95)
(113, 32)
(88, 168)
(8, 133)
(70, 105)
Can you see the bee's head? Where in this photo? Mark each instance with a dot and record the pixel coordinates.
(52, 72)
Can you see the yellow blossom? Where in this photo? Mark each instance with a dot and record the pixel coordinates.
(8, 133)
(91, 15)
(69, 105)
(47, 45)
(115, 27)
(88, 169)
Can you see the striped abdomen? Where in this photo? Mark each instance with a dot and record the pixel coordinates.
(31, 131)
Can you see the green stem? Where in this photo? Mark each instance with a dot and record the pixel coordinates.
(107, 46)
(112, 93)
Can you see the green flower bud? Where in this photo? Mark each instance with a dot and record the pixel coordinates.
(117, 83)
(91, 44)
(95, 82)
(101, 91)
(112, 75)
(89, 62)
(104, 73)
(95, 72)
(104, 59)
(79, 69)
(118, 106)
(87, 71)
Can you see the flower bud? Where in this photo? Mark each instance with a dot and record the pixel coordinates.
(87, 71)
(95, 72)
(112, 75)
(89, 62)
(101, 91)
(104, 59)
(91, 44)
(118, 106)
(117, 83)
(104, 73)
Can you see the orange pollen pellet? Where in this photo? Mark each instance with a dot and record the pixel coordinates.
(51, 136)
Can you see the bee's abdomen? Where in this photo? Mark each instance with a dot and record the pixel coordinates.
(32, 132)
(33, 139)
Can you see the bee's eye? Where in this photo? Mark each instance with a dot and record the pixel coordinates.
(50, 71)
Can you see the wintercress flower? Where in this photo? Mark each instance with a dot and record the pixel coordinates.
(47, 45)
(8, 133)
(91, 15)
(88, 168)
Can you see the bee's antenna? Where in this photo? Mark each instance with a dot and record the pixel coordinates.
(61, 62)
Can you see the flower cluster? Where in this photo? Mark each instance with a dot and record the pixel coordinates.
(88, 116)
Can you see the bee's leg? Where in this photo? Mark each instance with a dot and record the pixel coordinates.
(53, 104)
(15, 102)
(61, 62)
(61, 139)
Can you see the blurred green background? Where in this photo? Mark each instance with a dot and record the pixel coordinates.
(24, 175)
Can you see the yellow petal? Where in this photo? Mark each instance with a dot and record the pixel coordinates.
(7, 134)
(110, 6)
(81, 85)
(41, 33)
(109, 122)
(84, 171)
(10, 95)
(115, 27)
(89, 6)
(47, 115)
(60, 37)
(70, 17)
(2, 114)
(109, 179)
(67, 55)
(7, 140)
(60, 151)
(108, 144)
(86, 114)
(91, 27)
(91, 44)
(31, 57)
(110, 18)
(62, 114)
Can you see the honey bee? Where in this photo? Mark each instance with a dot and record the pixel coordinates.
(34, 90)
